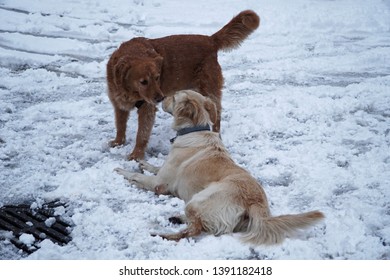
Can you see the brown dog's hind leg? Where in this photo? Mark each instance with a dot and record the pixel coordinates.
(146, 116)
(217, 124)
(210, 81)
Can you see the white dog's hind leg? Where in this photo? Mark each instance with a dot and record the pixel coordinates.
(140, 180)
(194, 227)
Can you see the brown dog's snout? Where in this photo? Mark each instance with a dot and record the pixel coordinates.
(159, 97)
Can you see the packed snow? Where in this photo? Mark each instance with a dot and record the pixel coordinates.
(306, 110)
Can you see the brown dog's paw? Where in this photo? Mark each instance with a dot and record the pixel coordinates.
(115, 143)
(136, 155)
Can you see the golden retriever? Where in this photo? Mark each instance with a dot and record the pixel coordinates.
(141, 72)
(220, 196)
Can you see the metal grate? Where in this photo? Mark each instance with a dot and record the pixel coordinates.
(41, 223)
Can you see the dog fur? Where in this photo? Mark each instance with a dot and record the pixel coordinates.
(141, 72)
(220, 196)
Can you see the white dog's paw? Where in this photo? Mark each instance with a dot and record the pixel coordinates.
(144, 165)
(120, 171)
(131, 176)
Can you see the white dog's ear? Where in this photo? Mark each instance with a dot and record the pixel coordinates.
(188, 109)
(211, 109)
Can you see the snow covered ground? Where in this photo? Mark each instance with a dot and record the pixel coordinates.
(306, 109)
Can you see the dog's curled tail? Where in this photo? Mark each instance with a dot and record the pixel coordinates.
(273, 230)
(236, 31)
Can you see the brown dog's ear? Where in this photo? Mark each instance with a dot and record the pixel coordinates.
(159, 61)
(211, 109)
(158, 58)
(121, 72)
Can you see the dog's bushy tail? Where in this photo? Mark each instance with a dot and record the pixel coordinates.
(236, 31)
(273, 230)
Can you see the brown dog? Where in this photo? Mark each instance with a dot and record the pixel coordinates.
(220, 196)
(143, 71)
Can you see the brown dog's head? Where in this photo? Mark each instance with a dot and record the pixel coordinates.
(190, 108)
(140, 78)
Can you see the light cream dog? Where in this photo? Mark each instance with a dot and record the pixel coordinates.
(220, 196)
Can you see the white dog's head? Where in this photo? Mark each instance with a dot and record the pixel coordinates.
(190, 108)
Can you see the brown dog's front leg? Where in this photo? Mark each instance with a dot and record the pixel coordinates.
(120, 123)
(146, 116)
